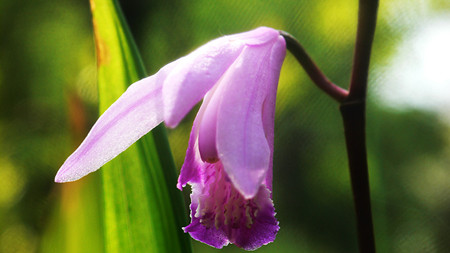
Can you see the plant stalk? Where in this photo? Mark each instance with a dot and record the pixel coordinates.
(353, 111)
(352, 107)
(353, 115)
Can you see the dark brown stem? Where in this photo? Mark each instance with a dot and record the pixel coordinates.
(353, 115)
(367, 19)
(352, 106)
(312, 70)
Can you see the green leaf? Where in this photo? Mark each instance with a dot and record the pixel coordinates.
(143, 209)
(75, 223)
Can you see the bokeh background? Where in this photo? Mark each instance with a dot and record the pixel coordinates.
(48, 101)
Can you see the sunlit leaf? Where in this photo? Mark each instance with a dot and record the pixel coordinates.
(143, 210)
(75, 223)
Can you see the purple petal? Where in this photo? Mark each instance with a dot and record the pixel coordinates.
(264, 228)
(241, 140)
(220, 214)
(208, 124)
(199, 71)
(208, 235)
(195, 76)
(198, 229)
(192, 162)
(258, 36)
(133, 115)
(190, 171)
(268, 114)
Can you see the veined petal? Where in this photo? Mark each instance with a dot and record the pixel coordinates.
(264, 228)
(268, 113)
(134, 114)
(202, 207)
(193, 162)
(209, 235)
(190, 171)
(200, 70)
(241, 141)
(208, 125)
(220, 214)
(188, 83)
(258, 36)
(201, 140)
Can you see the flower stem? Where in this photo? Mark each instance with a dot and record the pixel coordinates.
(367, 18)
(353, 114)
(312, 70)
(352, 107)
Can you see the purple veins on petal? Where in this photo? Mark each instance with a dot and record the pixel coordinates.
(199, 71)
(221, 215)
(140, 106)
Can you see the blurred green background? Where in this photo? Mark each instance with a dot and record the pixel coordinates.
(48, 101)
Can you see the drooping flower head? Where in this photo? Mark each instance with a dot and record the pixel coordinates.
(229, 157)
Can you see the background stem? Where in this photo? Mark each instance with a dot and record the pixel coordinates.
(352, 107)
(353, 114)
(367, 18)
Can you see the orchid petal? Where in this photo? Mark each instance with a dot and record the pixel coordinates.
(264, 227)
(134, 114)
(190, 81)
(241, 141)
(258, 36)
(209, 235)
(268, 114)
(186, 85)
(220, 214)
(192, 162)
(208, 125)
(189, 172)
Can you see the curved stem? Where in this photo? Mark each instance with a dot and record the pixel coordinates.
(352, 107)
(312, 70)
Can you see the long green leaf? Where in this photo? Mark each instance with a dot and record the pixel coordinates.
(143, 208)
(72, 227)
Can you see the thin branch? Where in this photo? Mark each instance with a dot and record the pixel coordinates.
(352, 106)
(312, 70)
(353, 114)
(367, 19)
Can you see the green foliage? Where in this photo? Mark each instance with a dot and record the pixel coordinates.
(76, 223)
(142, 211)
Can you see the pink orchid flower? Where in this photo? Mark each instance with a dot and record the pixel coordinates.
(229, 159)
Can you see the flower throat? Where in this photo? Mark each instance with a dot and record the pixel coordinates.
(221, 205)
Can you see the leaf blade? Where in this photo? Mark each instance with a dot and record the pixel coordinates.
(143, 210)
